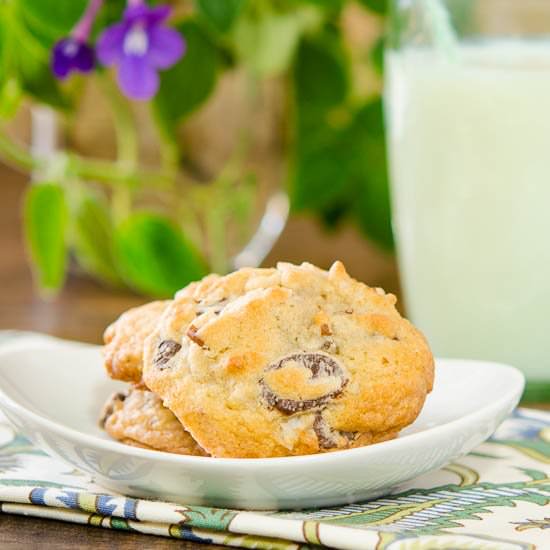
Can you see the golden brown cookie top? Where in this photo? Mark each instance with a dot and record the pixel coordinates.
(124, 340)
(286, 361)
(138, 417)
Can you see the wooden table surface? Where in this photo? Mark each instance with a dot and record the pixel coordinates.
(83, 310)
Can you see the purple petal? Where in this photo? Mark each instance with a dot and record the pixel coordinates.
(61, 65)
(133, 14)
(137, 78)
(70, 54)
(149, 16)
(111, 42)
(166, 46)
(158, 14)
(84, 60)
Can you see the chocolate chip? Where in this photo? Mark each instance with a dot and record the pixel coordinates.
(192, 335)
(349, 311)
(326, 436)
(109, 408)
(320, 365)
(107, 412)
(324, 433)
(325, 330)
(120, 396)
(166, 350)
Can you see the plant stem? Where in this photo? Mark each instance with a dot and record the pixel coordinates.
(15, 155)
(126, 133)
(103, 171)
(169, 151)
(215, 230)
(127, 146)
(186, 216)
(82, 29)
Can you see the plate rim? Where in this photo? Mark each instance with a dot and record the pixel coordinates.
(510, 398)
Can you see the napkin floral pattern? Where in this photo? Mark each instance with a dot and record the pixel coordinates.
(497, 497)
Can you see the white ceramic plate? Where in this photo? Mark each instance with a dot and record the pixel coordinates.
(52, 392)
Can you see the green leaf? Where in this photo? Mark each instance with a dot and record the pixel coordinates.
(93, 239)
(25, 58)
(53, 18)
(45, 220)
(153, 255)
(10, 97)
(4, 47)
(342, 171)
(324, 169)
(38, 81)
(372, 207)
(377, 54)
(266, 43)
(187, 84)
(320, 76)
(111, 13)
(333, 6)
(377, 6)
(322, 142)
(220, 14)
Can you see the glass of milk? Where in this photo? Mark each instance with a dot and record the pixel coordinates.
(467, 101)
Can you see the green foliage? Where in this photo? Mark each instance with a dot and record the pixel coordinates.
(336, 149)
(50, 19)
(321, 86)
(37, 80)
(45, 219)
(340, 162)
(25, 58)
(10, 97)
(266, 42)
(220, 15)
(321, 79)
(377, 54)
(93, 238)
(188, 84)
(377, 6)
(331, 6)
(153, 255)
(372, 208)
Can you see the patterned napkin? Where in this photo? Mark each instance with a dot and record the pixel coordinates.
(497, 497)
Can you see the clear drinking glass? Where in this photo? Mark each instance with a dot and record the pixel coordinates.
(467, 103)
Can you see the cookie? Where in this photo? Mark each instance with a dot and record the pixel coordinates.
(138, 418)
(124, 341)
(287, 361)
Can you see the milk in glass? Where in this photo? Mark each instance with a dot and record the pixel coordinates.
(469, 146)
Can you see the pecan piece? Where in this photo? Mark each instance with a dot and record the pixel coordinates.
(192, 335)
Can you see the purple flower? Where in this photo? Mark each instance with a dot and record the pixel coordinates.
(73, 53)
(69, 54)
(140, 46)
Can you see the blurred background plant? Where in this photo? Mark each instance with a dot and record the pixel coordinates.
(293, 84)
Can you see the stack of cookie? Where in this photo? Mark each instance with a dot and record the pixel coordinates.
(266, 362)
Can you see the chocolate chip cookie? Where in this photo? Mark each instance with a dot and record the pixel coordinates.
(138, 418)
(124, 340)
(287, 361)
